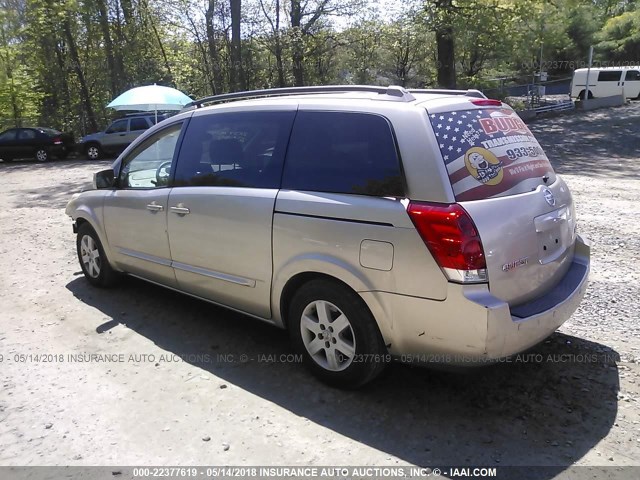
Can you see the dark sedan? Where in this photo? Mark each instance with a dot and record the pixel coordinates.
(34, 142)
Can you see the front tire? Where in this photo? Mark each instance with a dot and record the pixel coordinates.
(94, 262)
(93, 151)
(331, 326)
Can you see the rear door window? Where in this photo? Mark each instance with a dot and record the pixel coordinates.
(609, 75)
(490, 153)
(138, 124)
(26, 134)
(343, 152)
(239, 149)
(118, 126)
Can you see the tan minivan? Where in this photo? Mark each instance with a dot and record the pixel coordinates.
(373, 223)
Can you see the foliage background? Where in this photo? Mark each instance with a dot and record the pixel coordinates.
(62, 61)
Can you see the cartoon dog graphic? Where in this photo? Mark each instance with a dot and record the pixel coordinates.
(484, 166)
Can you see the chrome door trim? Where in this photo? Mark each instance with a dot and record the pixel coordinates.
(144, 256)
(270, 321)
(246, 282)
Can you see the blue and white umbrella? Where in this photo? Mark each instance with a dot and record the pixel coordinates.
(150, 98)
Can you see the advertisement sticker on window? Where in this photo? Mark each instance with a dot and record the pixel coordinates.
(488, 153)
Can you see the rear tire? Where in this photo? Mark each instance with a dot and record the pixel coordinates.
(331, 326)
(94, 262)
(93, 151)
(42, 155)
(581, 95)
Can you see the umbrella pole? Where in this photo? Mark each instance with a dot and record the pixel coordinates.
(156, 115)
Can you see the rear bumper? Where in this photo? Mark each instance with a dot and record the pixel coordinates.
(471, 326)
(60, 149)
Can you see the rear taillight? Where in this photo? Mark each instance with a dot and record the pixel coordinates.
(487, 102)
(452, 239)
(57, 141)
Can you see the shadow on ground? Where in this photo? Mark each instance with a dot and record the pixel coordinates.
(541, 412)
(596, 143)
(60, 188)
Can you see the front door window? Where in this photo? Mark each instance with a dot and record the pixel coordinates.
(149, 165)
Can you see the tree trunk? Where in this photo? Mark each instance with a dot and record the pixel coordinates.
(218, 84)
(445, 46)
(446, 57)
(127, 11)
(298, 45)
(237, 70)
(75, 60)
(204, 53)
(278, 49)
(108, 47)
(66, 95)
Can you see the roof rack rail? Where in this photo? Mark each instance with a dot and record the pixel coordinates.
(393, 93)
(468, 93)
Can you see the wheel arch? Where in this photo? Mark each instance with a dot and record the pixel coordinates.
(84, 215)
(303, 270)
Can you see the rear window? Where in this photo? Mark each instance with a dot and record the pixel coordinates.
(49, 131)
(489, 153)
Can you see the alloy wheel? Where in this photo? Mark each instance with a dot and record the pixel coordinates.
(90, 256)
(328, 335)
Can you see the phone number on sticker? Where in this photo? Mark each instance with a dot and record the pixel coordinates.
(514, 153)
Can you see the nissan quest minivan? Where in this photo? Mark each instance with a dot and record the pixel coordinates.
(373, 223)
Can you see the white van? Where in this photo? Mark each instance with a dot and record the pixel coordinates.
(606, 82)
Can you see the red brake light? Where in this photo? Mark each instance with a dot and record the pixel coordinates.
(57, 141)
(487, 102)
(450, 235)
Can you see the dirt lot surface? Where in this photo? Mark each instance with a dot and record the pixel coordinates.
(189, 383)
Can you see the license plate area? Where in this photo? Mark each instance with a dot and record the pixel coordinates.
(554, 234)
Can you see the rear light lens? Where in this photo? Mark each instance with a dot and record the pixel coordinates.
(452, 238)
(487, 102)
(57, 141)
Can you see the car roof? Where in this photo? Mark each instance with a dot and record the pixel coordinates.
(628, 67)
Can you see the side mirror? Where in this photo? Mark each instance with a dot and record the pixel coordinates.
(104, 179)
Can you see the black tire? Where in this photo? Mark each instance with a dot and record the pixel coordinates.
(99, 272)
(41, 155)
(581, 95)
(368, 355)
(93, 151)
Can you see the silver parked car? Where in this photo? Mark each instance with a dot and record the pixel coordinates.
(373, 223)
(118, 135)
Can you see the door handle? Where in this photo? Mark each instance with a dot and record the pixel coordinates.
(180, 209)
(154, 207)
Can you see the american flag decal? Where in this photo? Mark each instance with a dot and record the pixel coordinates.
(487, 152)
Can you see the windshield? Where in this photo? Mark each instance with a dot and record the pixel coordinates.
(490, 153)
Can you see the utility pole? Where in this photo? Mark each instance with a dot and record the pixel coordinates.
(586, 91)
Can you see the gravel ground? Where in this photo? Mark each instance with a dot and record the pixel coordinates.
(177, 390)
